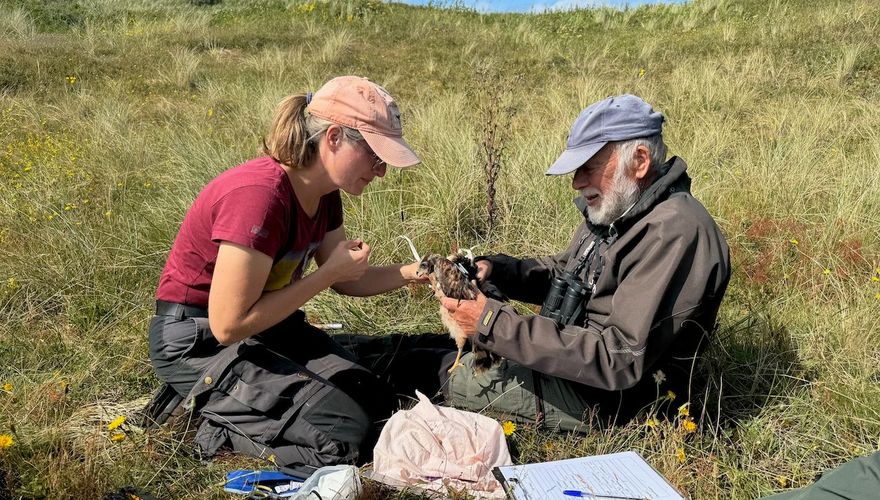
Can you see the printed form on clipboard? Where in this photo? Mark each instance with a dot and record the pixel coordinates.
(618, 476)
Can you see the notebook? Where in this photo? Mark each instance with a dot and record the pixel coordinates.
(618, 476)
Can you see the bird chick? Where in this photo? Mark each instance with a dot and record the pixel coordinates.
(454, 277)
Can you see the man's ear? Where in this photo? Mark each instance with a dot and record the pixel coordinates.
(641, 162)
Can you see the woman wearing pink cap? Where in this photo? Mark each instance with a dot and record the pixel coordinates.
(228, 335)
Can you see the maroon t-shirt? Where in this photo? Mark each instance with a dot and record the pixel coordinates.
(252, 205)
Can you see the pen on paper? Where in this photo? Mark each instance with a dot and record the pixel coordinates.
(585, 494)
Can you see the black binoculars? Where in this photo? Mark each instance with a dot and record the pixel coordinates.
(565, 299)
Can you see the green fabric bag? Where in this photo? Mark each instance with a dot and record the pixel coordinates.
(856, 479)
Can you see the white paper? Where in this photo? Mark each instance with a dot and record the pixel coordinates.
(625, 475)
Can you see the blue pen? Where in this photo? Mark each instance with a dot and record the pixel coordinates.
(586, 494)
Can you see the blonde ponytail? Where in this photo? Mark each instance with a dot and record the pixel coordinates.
(288, 139)
(294, 134)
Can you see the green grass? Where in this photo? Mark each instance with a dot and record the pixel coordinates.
(113, 114)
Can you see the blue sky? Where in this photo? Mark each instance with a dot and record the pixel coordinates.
(539, 5)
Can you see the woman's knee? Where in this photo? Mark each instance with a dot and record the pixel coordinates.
(337, 426)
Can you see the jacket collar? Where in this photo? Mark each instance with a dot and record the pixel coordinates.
(673, 178)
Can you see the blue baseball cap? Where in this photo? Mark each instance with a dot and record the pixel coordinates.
(617, 118)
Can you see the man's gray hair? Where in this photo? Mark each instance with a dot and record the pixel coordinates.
(654, 143)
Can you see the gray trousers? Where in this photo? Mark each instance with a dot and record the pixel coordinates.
(291, 392)
(520, 394)
(514, 392)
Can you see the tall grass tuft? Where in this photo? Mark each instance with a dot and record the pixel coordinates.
(848, 62)
(184, 67)
(16, 22)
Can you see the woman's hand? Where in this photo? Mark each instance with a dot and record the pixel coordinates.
(409, 273)
(348, 261)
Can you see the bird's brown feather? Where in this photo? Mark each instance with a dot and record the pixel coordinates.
(454, 277)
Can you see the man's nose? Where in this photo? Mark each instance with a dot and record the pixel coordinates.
(380, 170)
(580, 180)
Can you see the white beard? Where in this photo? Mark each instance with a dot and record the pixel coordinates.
(623, 194)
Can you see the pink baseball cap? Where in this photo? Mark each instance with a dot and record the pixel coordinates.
(360, 104)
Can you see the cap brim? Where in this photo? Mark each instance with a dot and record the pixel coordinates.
(572, 159)
(392, 150)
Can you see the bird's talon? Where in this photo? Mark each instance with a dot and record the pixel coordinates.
(453, 367)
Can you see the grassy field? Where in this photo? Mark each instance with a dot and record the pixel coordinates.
(114, 113)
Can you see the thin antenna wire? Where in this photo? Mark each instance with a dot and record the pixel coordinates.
(411, 247)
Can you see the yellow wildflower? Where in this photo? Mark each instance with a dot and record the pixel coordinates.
(117, 437)
(875, 279)
(508, 428)
(210, 112)
(271, 458)
(7, 387)
(670, 395)
(641, 72)
(688, 425)
(651, 423)
(877, 296)
(684, 410)
(783, 481)
(305, 8)
(116, 423)
(71, 79)
(679, 454)
(793, 241)
(6, 441)
(826, 272)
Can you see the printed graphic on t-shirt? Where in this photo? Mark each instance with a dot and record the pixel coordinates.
(291, 267)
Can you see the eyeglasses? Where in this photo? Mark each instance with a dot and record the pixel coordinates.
(378, 163)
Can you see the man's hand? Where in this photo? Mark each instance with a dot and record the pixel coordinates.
(466, 312)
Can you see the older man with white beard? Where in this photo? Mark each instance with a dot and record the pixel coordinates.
(627, 308)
